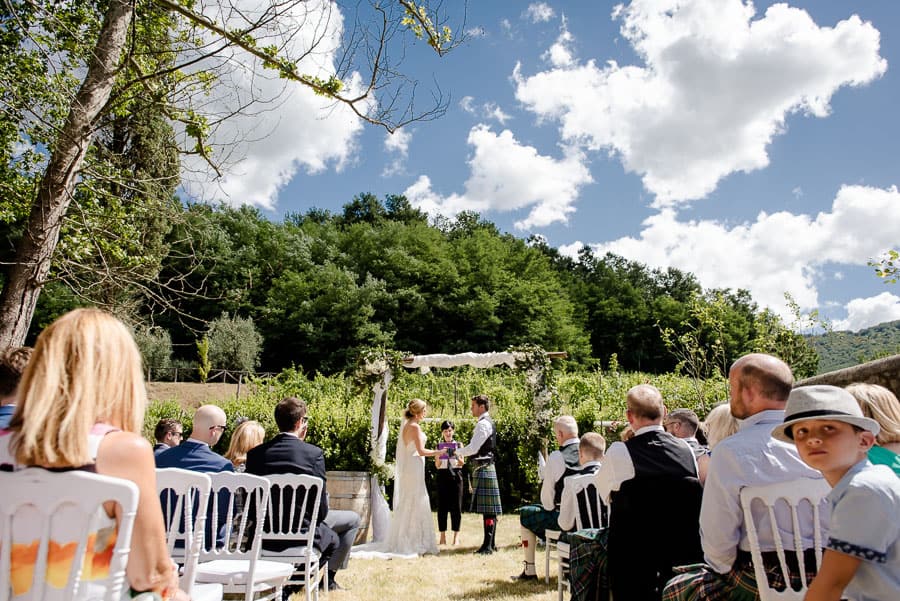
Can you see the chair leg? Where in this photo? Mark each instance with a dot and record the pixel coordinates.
(547, 545)
(559, 581)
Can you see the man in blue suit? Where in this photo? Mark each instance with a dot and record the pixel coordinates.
(196, 454)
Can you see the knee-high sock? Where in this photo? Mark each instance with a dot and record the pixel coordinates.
(529, 540)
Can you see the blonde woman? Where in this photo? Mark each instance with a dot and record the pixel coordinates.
(247, 435)
(719, 425)
(411, 532)
(880, 404)
(81, 406)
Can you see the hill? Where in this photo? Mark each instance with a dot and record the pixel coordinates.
(844, 349)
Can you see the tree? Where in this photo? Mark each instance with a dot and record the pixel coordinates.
(888, 267)
(119, 55)
(234, 343)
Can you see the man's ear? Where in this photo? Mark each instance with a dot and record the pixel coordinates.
(866, 440)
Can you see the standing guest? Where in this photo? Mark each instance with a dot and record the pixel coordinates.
(168, 433)
(289, 453)
(760, 385)
(449, 483)
(639, 478)
(880, 404)
(12, 365)
(862, 555)
(486, 497)
(81, 407)
(590, 454)
(534, 520)
(683, 424)
(248, 435)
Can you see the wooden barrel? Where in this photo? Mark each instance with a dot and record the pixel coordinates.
(350, 490)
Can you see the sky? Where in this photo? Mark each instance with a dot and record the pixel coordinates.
(752, 144)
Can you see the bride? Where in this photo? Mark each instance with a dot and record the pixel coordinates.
(411, 532)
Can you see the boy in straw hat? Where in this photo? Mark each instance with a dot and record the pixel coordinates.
(862, 555)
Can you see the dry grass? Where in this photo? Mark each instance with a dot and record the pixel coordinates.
(194, 394)
(455, 575)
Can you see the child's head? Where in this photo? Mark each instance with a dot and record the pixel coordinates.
(828, 427)
(591, 447)
(447, 430)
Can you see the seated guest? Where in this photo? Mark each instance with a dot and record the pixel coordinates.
(590, 454)
(289, 453)
(683, 424)
(720, 424)
(536, 519)
(168, 434)
(760, 385)
(880, 404)
(196, 454)
(248, 435)
(862, 555)
(81, 407)
(12, 364)
(650, 473)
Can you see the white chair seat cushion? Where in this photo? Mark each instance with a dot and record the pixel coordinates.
(207, 592)
(235, 572)
(563, 547)
(297, 554)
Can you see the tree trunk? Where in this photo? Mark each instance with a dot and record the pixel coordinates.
(34, 251)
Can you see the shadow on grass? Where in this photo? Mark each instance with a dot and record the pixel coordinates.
(509, 588)
(470, 550)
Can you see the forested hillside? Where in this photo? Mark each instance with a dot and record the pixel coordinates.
(844, 349)
(318, 287)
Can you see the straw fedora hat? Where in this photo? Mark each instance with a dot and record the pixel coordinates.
(822, 402)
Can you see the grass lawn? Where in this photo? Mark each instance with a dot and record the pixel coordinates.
(455, 575)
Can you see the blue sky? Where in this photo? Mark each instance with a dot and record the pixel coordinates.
(754, 145)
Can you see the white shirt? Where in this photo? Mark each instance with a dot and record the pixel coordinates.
(481, 433)
(554, 470)
(568, 505)
(750, 457)
(618, 467)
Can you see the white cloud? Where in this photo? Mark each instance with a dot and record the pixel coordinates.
(560, 53)
(777, 253)
(717, 85)
(506, 26)
(487, 110)
(396, 143)
(493, 111)
(866, 312)
(506, 175)
(797, 192)
(262, 147)
(539, 12)
(466, 103)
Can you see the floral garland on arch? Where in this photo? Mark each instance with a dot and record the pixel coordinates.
(541, 383)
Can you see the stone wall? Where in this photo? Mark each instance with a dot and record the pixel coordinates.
(885, 372)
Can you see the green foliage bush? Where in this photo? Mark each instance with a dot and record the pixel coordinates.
(234, 343)
(340, 413)
(155, 345)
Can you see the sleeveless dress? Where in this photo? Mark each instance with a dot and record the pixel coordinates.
(26, 533)
(411, 532)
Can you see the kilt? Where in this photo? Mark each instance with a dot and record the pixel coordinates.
(538, 520)
(698, 582)
(486, 495)
(587, 564)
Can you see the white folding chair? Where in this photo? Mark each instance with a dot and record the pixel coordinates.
(184, 495)
(293, 507)
(592, 513)
(792, 493)
(233, 560)
(64, 509)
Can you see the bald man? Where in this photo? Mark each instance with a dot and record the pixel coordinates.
(760, 385)
(649, 480)
(196, 454)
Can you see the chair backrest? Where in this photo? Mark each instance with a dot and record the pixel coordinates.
(184, 495)
(293, 507)
(53, 539)
(592, 511)
(239, 502)
(804, 494)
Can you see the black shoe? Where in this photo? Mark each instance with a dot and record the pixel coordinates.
(484, 551)
(334, 586)
(524, 576)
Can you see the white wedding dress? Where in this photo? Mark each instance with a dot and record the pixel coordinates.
(412, 531)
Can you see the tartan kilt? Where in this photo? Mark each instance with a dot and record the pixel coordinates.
(486, 495)
(538, 520)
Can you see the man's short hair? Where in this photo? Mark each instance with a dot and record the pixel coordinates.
(566, 424)
(482, 400)
(165, 426)
(685, 417)
(645, 401)
(770, 375)
(12, 364)
(288, 412)
(592, 446)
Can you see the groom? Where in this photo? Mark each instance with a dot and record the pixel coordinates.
(486, 497)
